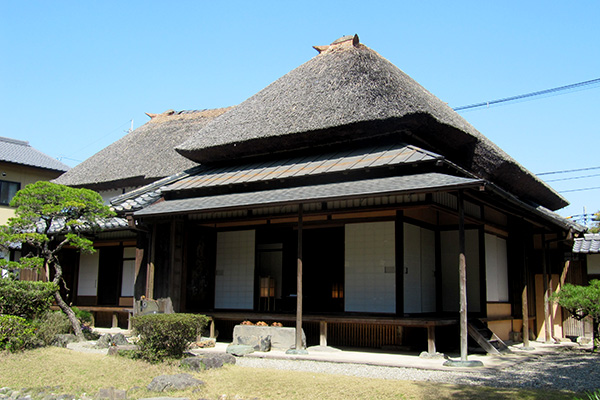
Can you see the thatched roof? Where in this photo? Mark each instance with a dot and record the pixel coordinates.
(142, 156)
(349, 92)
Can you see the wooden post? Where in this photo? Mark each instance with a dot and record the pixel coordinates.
(462, 267)
(546, 302)
(150, 266)
(323, 333)
(525, 317)
(431, 339)
(299, 284)
(524, 295)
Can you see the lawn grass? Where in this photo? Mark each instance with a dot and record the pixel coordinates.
(77, 373)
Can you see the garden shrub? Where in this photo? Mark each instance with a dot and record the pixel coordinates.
(27, 299)
(166, 335)
(84, 317)
(51, 324)
(16, 333)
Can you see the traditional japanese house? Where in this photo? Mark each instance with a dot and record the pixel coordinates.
(103, 282)
(346, 185)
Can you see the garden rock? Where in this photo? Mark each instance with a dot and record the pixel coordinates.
(259, 343)
(239, 350)
(63, 339)
(119, 339)
(104, 341)
(208, 361)
(111, 394)
(173, 382)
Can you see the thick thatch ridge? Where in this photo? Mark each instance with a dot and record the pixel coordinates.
(142, 156)
(351, 93)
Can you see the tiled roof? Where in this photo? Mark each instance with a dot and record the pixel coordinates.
(314, 164)
(20, 152)
(366, 188)
(589, 243)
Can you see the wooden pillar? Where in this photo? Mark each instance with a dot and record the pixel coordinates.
(524, 294)
(323, 333)
(150, 266)
(462, 267)
(431, 339)
(547, 337)
(299, 284)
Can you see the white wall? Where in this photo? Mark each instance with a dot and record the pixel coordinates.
(88, 274)
(419, 269)
(370, 277)
(593, 264)
(496, 268)
(234, 281)
(128, 278)
(449, 261)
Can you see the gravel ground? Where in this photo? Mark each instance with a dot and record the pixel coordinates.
(569, 369)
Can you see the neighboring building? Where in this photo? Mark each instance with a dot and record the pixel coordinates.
(102, 282)
(349, 168)
(20, 165)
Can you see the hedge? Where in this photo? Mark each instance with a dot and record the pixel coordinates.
(27, 299)
(167, 335)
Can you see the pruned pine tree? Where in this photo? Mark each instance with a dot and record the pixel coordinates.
(47, 218)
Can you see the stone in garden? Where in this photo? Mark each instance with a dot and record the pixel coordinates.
(111, 394)
(63, 339)
(208, 361)
(114, 350)
(282, 338)
(259, 343)
(119, 339)
(173, 382)
(164, 398)
(104, 341)
(239, 350)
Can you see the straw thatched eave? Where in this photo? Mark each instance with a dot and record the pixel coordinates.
(351, 93)
(141, 156)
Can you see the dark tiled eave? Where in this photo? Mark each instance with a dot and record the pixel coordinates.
(396, 185)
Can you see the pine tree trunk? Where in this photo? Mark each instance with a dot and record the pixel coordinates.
(71, 315)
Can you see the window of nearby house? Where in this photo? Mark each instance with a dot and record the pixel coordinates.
(8, 191)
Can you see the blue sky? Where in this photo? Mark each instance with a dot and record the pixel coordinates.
(74, 74)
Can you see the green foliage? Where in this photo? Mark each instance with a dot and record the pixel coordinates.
(596, 227)
(166, 335)
(591, 395)
(85, 317)
(49, 325)
(580, 301)
(24, 298)
(46, 212)
(16, 333)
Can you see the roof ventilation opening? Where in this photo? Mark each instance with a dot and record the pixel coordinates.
(344, 41)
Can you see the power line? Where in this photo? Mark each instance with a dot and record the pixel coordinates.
(580, 85)
(572, 178)
(567, 170)
(579, 190)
